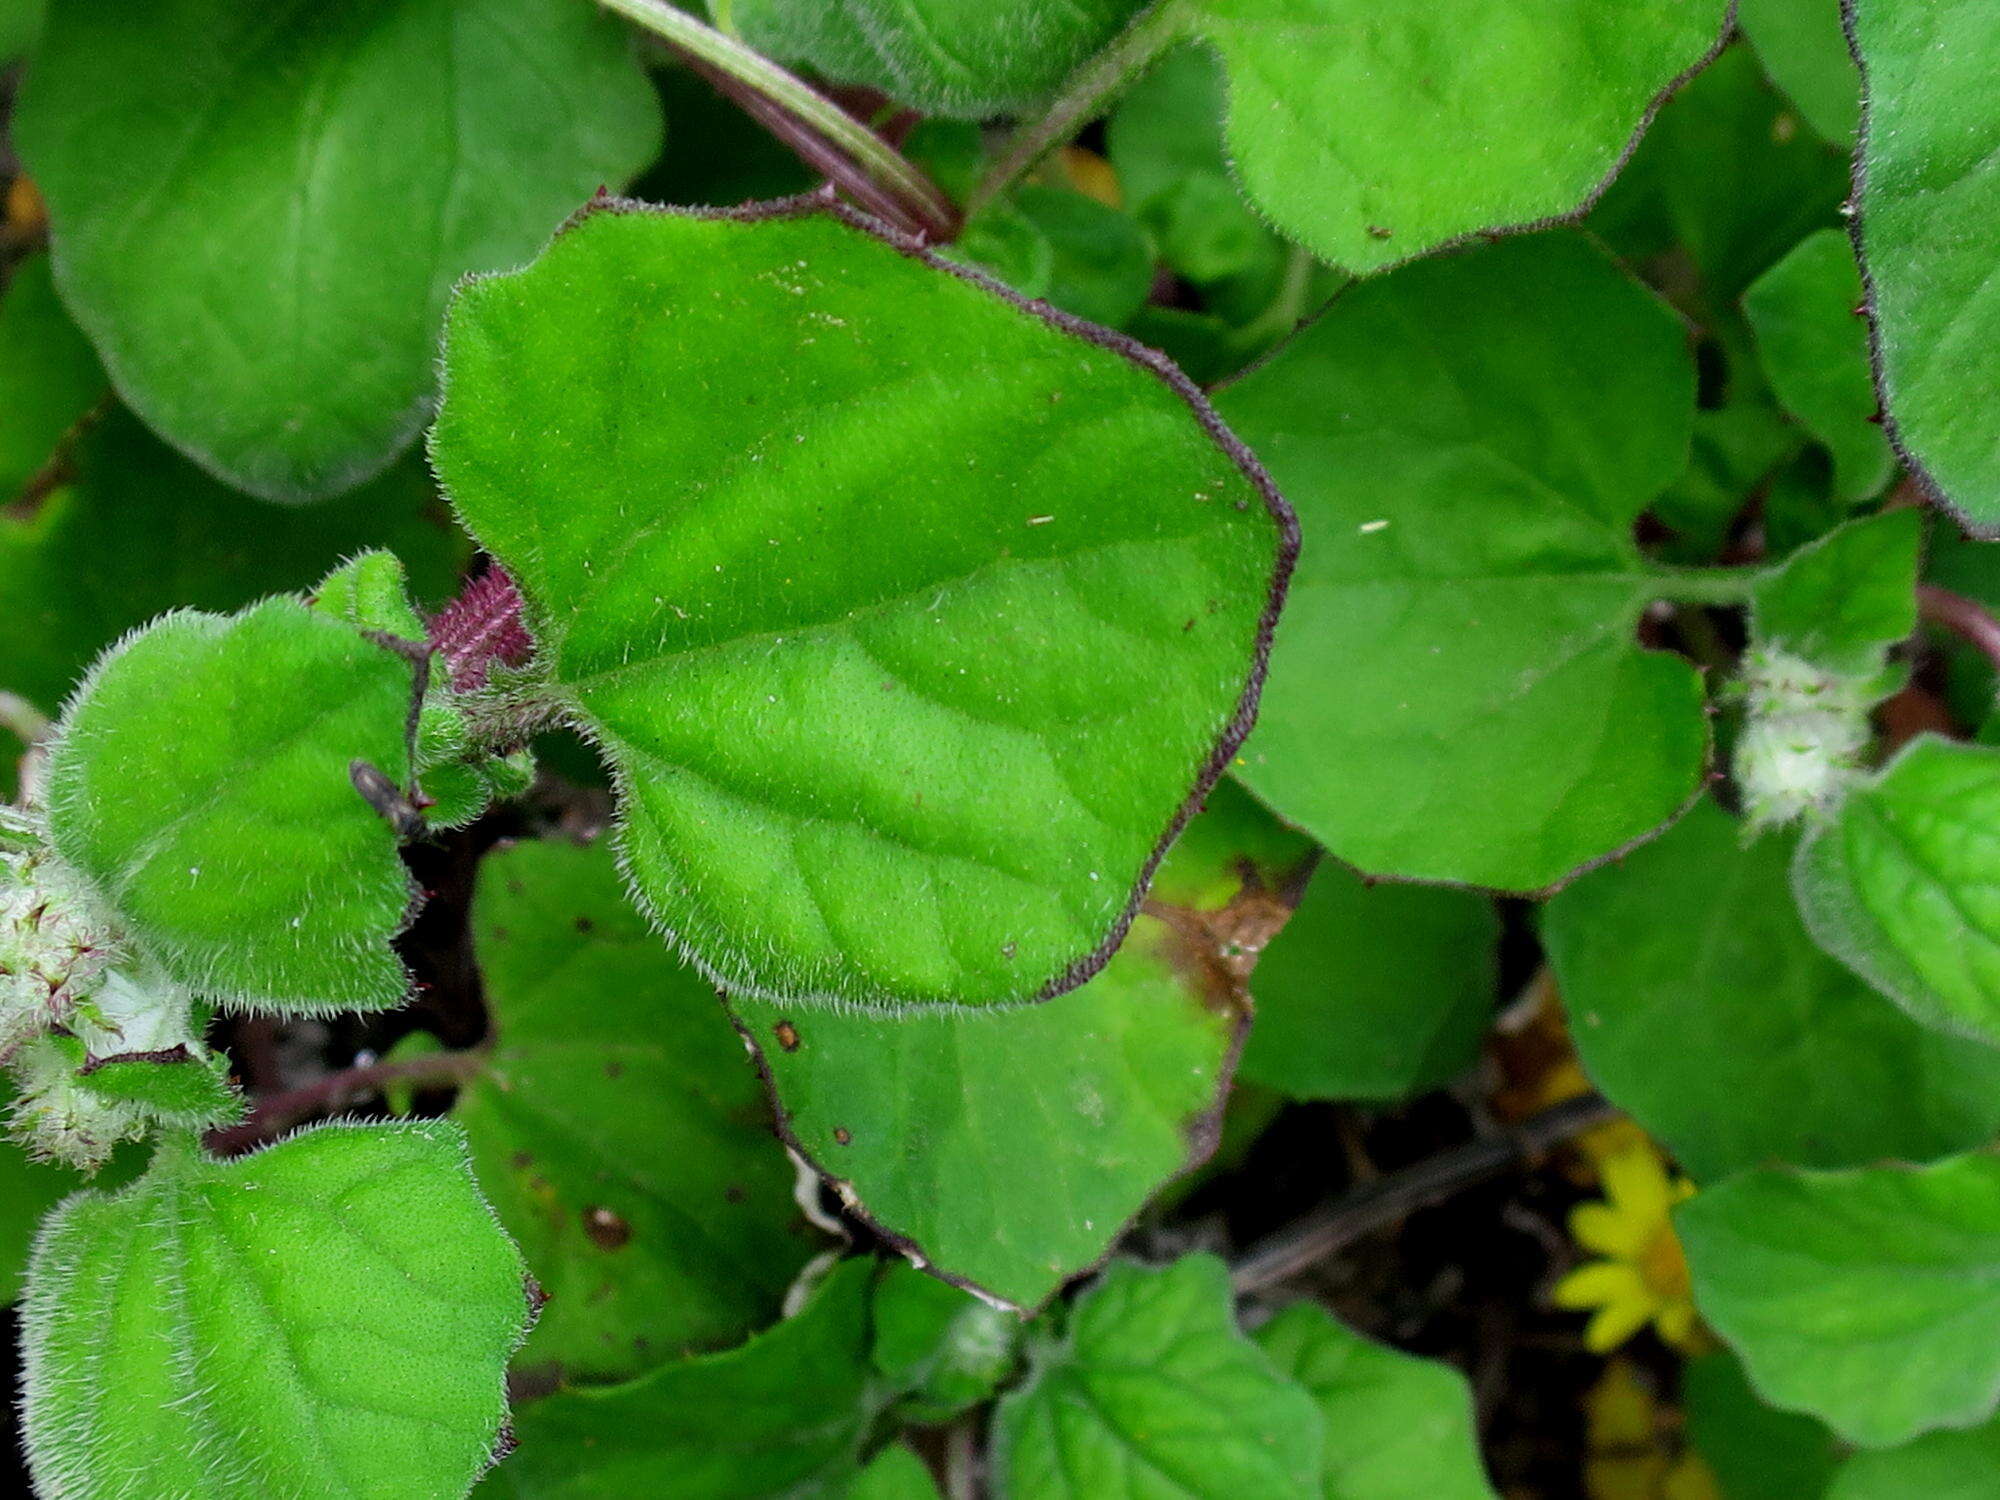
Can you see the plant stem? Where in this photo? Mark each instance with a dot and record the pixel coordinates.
(1084, 97)
(22, 719)
(276, 1113)
(1965, 618)
(877, 174)
(1321, 1233)
(1706, 585)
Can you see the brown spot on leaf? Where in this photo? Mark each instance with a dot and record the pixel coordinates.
(843, 1135)
(584, 924)
(614, 1069)
(787, 1035)
(520, 1161)
(606, 1230)
(734, 1192)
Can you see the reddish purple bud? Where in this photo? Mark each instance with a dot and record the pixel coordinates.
(481, 626)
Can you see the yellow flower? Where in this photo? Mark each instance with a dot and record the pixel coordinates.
(1642, 1277)
(1634, 1452)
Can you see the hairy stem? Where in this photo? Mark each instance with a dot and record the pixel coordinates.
(1965, 618)
(1083, 98)
(1370, 1207)
(857, 159)
(1722, 586)
(276, 1113)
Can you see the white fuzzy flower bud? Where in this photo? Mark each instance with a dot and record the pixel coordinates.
(1803, 738)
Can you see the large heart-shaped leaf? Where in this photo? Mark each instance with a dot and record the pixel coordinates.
(1929, 175)
(332, 1316)
(1869, 1298)
(260, 210)
(622, 1133)
(202, 786)
(1457, 692)
(910, 621)
(1699, 1004)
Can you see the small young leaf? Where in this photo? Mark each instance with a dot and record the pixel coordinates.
(1843, 601)
(1095, 261)
(1804, 49)
(29, 1189)
(896, 1474)
(910, 622)
(1372, 135)
(1755, 1451)
(945, 1348)
(1700, 1005)
(332, 1316)
(1397, 1427)
(784, 1414)
(258, 215)
(1456, 692)
(963, 58)
(1806, 311)
(1372, 991)
(1903, 885)
(1151, 1390)
(1942, 1466)
(618, 1127)
(1929, 175)
(1870, 1298)
(48, 380)
(202, 785)
(1010, 1148)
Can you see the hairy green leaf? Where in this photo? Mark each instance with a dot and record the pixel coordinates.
(965, 58)
(909, 621)
(1804, 49)
(259, 213)
(48, 380)
(201, 785)
(331, 1316)
(1397, 1427)
(1929, 176)
(1373, 991)
(784, 1414)
(1808, 317)
(1151, 1390)
(621, 1132)
(1373, 134)
(1869, 1298)
(1699, 1004)
(1456, 691)
(1903, 885)
(1841, 602)
(1943, 1466)
(1009, 1148)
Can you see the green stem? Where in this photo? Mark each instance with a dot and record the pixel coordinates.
(1083, 98)
(1287, 307)
(875, 157)
(1724, 586)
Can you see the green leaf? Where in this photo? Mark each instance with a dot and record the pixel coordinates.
(784, 1414)
(1807, 313)
(49, 378)
(1234, 843)
(897, 1474)
(1756, 1452)
(201, 786)
(1373, 991)
(20, 23)
(1010, 1148)
(1082, 257)
(1397, 1427)
(1151, 1390)
(1929, 175)
(1456, 691)
(29, 1189)
(909, 621)
(1699, 1004)
(964, 58)
(622, 1134)
(1804, 49)
(1943, 1466)
(183, 540)
(1870, 1298)
(947, 1349)
(258, 216)
(1901, 885)
(1372, 136)
(1843, 601)
(331, 1316)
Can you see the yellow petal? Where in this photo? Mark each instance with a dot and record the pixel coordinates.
(1614, 1323)
(1601, 1282)
(1690, 1479)
(1602, 1228)
(1636, 1183)
(1676, 1322)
